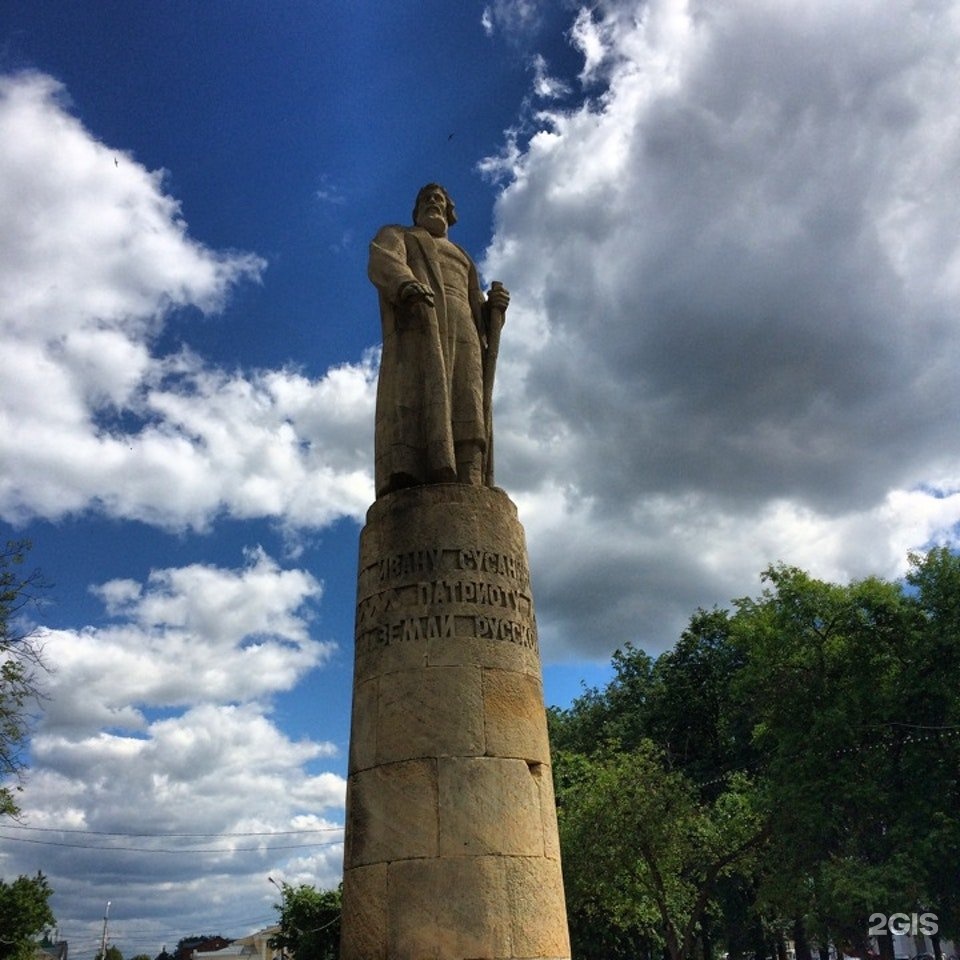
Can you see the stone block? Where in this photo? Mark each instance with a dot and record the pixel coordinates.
(488, 806)
(538, 916)
(483, 652)
(430, 712)
(448, 909)
(393, 813)
(363, 726)
(375, 659)
(543, 774)
(515, 722)
(444, 580)
(365, 901)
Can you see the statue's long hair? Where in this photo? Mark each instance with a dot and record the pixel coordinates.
(451, 209)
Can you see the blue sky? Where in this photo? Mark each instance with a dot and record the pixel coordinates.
(729, 230)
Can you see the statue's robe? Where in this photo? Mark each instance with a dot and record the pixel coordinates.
(430, 398)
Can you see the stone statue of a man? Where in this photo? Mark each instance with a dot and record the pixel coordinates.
(440, 337)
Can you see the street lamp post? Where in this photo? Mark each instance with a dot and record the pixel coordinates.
(283, 910)
(103, 939)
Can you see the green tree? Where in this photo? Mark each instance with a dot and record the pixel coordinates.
(855, 697)
(824, 716)
(309, 922)
(113, 953)
(683, 702)
(931, 704)
(616, 713)
(693, 712)
(643, 854)
(24, 914)
(20, 665)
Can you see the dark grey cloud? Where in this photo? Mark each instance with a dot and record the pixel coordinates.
(737, 281)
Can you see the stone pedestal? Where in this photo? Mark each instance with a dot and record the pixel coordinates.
(451, 842)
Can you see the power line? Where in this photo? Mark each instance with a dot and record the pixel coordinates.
(195, 836)
(178, 850)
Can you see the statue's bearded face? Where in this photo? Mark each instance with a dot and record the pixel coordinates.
(432, 211)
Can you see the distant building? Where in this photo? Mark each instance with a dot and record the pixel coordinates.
(252, 947)
(188, 949)
(48, 949)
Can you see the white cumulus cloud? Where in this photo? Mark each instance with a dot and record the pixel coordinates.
(156, 759)
(94, 257)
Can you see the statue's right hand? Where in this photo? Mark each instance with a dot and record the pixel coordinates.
(414, 292)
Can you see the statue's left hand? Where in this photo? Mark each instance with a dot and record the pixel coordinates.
(498, 297)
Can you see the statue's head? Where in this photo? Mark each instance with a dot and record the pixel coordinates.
(426, 191)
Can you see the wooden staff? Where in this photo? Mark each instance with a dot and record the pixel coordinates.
(494, 326)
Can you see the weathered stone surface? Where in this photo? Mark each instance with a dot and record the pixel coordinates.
(451, 821)
(536, 906)
(448, 909)
(365, 902)
(488, 805)
(430, 712)
(482, 652)
(515, 723)
(451, 846)
(363, 725)
(393, 813)
(440, 342)
(543, 775)
(444, 580)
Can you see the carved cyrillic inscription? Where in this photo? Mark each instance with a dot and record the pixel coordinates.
(406, 629)
(446, 592)
(486, 562)
(495, 628)
(417, 563)
(415, 628)
(401, 566)
(438, 592)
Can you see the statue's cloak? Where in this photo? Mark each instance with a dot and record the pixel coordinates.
(424, 405)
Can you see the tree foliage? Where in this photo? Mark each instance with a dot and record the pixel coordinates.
(791, 766)
(24, 915)
(855, 696)
(20, 664)
(309, 923)
(644, 853)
